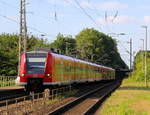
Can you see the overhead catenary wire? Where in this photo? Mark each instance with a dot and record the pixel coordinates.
(55, 15)
(93, 8)
(7, 4)
(115, 16)
(122, 45)
(7, 17)
(32, 13)
(85, 12)
(32, 28)
(54, 19)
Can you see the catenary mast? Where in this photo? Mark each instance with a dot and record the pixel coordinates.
(23, 30)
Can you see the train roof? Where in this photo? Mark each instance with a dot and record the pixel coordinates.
(71, 58)
(79, 60)
(37, 52)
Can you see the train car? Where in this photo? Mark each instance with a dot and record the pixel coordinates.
(41, 68)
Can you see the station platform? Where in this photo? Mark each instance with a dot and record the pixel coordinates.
(10, 91)
(11, 88)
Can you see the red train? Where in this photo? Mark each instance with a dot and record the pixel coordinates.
(42, 68)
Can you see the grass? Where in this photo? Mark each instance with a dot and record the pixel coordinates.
(139, 69)
(64, 95)
(50, 102)
(132, 98)
(7, 83)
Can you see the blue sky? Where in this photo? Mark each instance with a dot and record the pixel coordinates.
(130, 15)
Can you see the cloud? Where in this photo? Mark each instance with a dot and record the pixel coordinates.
(102, 21)
(117, 20)
(68, 1)
(147, 19)
(145, 7)
(110, 5)
(86, 4)
(14, 18)
(60, 2)
(124, 20)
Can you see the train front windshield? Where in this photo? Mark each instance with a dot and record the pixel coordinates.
(36, 63)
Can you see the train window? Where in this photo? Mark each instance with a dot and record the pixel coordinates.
(36, 63)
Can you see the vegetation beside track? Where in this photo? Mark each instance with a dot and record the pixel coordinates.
(139, 67)
(90, 45)
(132, 98)
(36, 103)
(64, 95)
(7, 81)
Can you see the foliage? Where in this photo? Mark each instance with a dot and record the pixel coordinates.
(132, 98)
(9, 51)
(34, 43)
(90, 45)
(65, 44)
(8, 54)
(139, 67)
(62, 96)
(98, 48)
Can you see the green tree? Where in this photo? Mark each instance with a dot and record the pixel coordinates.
(98, 48)
(9, 51)
(65, 44)
(138, 73)
(34, 43)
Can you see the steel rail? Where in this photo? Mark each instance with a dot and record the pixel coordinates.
(92, 109)
(8, 94)
(62, 109)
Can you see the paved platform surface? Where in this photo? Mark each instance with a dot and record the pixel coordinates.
(11, 88)
(10, 91)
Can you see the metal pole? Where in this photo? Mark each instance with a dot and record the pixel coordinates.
(142, 53)
(146, 56)
(145, 27)
(143, 56)
(25, 26)
(23, 30)
(66, 48)
(20, 36)
(130, 53)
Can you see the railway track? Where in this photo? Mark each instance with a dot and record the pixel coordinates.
(6, 94)
(88, 103)
(10, 93)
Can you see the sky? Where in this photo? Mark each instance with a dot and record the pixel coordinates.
(69, 17)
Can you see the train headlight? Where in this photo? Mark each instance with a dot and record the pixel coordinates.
(23, 75)
(47, 75)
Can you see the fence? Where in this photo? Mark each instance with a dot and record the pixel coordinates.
(7, 81)
(33, 102)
